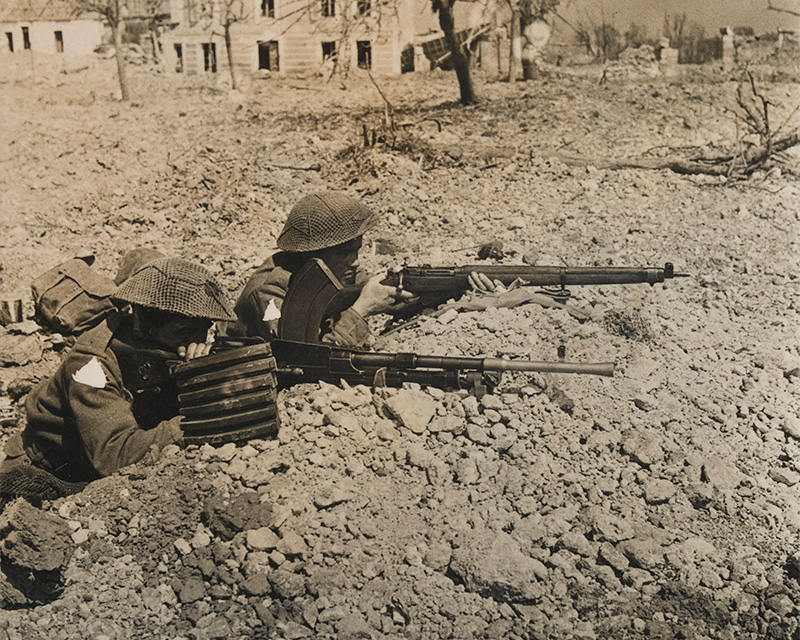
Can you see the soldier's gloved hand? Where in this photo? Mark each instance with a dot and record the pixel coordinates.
(378, 298)
(481, 283)
(194, 350)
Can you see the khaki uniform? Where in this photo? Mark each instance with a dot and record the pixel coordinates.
(84, 422)
(259, 305)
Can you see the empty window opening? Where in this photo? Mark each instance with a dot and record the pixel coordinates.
(178, 58)
(10, 38)
(364, 49)
(210, 57)
(59, 41)
(268, 8)
(328, 8)
(364, 6)
(328, 51)
(26, 38)
(268, 55)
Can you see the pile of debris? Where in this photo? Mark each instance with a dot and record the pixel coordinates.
(633, 63)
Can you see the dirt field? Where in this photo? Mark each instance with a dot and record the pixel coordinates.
(661, 503)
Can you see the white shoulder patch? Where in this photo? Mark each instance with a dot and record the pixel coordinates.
(271, 312)
(92, 374)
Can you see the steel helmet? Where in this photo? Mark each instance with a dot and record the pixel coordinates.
(322, 220)
(176, 286)
(134, 260)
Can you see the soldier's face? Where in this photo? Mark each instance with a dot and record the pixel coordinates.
(342, 260)
(180, 331)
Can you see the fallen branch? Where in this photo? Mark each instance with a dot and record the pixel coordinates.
(726, 165)
(772, 7)
(312, 167)
(743, 161)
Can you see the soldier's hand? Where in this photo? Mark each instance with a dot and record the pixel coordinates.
(481, 283)
(378, 298)
(194, 350)
(174, 430)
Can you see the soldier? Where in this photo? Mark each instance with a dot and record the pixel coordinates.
(329, 226)
(94, 416)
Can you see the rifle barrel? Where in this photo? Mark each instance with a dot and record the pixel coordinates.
(422, 279)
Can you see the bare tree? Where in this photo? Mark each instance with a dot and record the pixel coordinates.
(113, 12)
(231, 12)
(523, 14)
(675, 28)
(153, 14)
(364, 16)
(600, 37)
(458, 52)
(532, 12)
(791, 12)
(515, 42)
(689, 38)
(217, 17)
(636, 36)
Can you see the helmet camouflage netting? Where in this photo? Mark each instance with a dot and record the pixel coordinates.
(323, 220)
(177, 286)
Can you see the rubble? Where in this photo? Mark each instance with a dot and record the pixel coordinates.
(659, 503)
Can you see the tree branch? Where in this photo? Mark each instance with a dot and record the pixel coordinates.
(791, 12)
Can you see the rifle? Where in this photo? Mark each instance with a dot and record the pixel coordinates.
(315, 293)
(311, 362)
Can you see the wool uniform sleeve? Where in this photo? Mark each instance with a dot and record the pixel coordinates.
(102, 411)
(259, 312)
(349, 329)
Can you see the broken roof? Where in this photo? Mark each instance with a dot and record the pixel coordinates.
(59, 10)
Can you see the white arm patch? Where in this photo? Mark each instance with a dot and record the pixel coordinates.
(92, 374)
(271, 312)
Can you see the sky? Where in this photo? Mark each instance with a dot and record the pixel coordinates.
(711, 14)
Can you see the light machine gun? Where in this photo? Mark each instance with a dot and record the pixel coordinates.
(230, 395)
(312, 362)
(315, 293)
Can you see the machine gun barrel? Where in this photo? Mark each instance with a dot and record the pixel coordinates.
(361, 361)
(308, 362)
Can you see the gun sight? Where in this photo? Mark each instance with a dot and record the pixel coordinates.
(669, 272)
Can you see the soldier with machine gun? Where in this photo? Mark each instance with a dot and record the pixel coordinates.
(109, 401)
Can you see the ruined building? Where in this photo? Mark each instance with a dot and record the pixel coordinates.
(294, 36)
(47, 27)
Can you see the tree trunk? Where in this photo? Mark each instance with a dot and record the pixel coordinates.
(515, 57)
(119, 54)
(157, 57)
(460, 59)
(229, 51)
